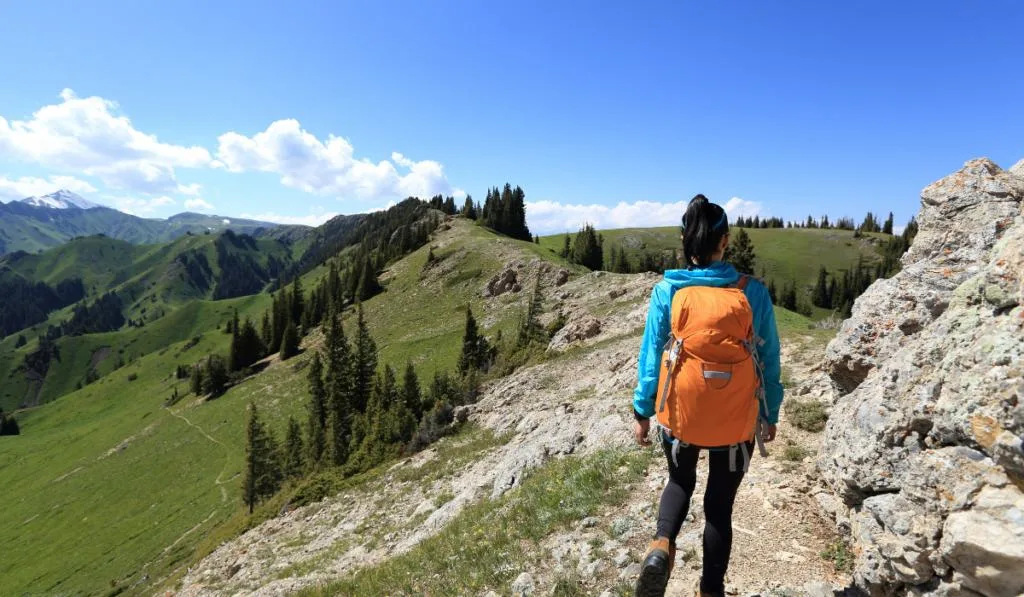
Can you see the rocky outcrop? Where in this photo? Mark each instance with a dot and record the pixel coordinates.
(924, 444)
(581, 329)
(506, 281)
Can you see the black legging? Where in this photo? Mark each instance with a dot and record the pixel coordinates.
(718, 501)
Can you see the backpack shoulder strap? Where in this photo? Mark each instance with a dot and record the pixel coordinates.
(741, 283)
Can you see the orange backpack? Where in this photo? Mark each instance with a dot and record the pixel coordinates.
(709, 386)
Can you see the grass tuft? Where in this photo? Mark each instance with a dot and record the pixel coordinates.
(838, 552)
(483, 548)
(808, 415)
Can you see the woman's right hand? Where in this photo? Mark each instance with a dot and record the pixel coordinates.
(641, 429)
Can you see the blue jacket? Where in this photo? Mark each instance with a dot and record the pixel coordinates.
(658, 328)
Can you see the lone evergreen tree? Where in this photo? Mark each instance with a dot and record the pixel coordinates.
(262, 472)
(289, 342)
(820, 296)
(475, 348)
(530, 330)
(295, 460)
(566, 247)
(411, 393)
(887, 227)
(740, 252)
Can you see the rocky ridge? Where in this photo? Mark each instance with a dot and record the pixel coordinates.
(924, 446)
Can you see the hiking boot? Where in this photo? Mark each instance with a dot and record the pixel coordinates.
(656, 568)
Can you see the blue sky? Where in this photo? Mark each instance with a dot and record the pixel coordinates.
(610, 112)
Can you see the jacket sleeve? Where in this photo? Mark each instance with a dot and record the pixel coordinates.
(649, 364)
(769, 353)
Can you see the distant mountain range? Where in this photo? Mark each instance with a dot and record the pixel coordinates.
(38, 223)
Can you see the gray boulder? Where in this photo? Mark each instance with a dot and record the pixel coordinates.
(924, 443)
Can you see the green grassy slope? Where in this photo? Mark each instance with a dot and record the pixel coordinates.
(421, 316)
(133, 489)
(783, 254)
(107, 485)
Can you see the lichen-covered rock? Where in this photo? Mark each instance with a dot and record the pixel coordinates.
(580, 329)
(961, 218)
(925, 437)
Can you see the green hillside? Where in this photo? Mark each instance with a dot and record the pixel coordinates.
(153, 283)
(135, 488)
(783, 254)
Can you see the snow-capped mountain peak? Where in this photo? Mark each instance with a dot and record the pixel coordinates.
(62, 199)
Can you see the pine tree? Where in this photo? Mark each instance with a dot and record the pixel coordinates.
(298, 304)
(215, 375)
(789, 297)
(295, 455)
(411, 394)
(262, 471)
(266, 334)
(365, 362)
(196, 383)
(289, 342)
(368, 284)
(246, 345)
(233, 356)
(566, 247)
(317, 425)
(8, 424)
(587, 250)
(468, 209)
(530, 330)
(740, 253)
(820, 296)
(475, 348)
(910, 232)
(340, 390)
(772, 293)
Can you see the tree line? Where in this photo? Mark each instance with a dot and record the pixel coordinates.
(25, 303)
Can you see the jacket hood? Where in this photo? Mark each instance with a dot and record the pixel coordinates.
(718, 273)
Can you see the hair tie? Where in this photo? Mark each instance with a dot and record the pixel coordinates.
(724, 221)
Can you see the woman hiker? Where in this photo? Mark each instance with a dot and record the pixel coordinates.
(709, 372)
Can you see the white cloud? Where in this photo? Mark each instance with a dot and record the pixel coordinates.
(88, 135)
(142, 207)
(192, 189)
(328, 167)
(198, 204)
(28, 186)
(310, 220)
(547, 217)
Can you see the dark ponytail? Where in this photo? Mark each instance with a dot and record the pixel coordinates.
(704, 225)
